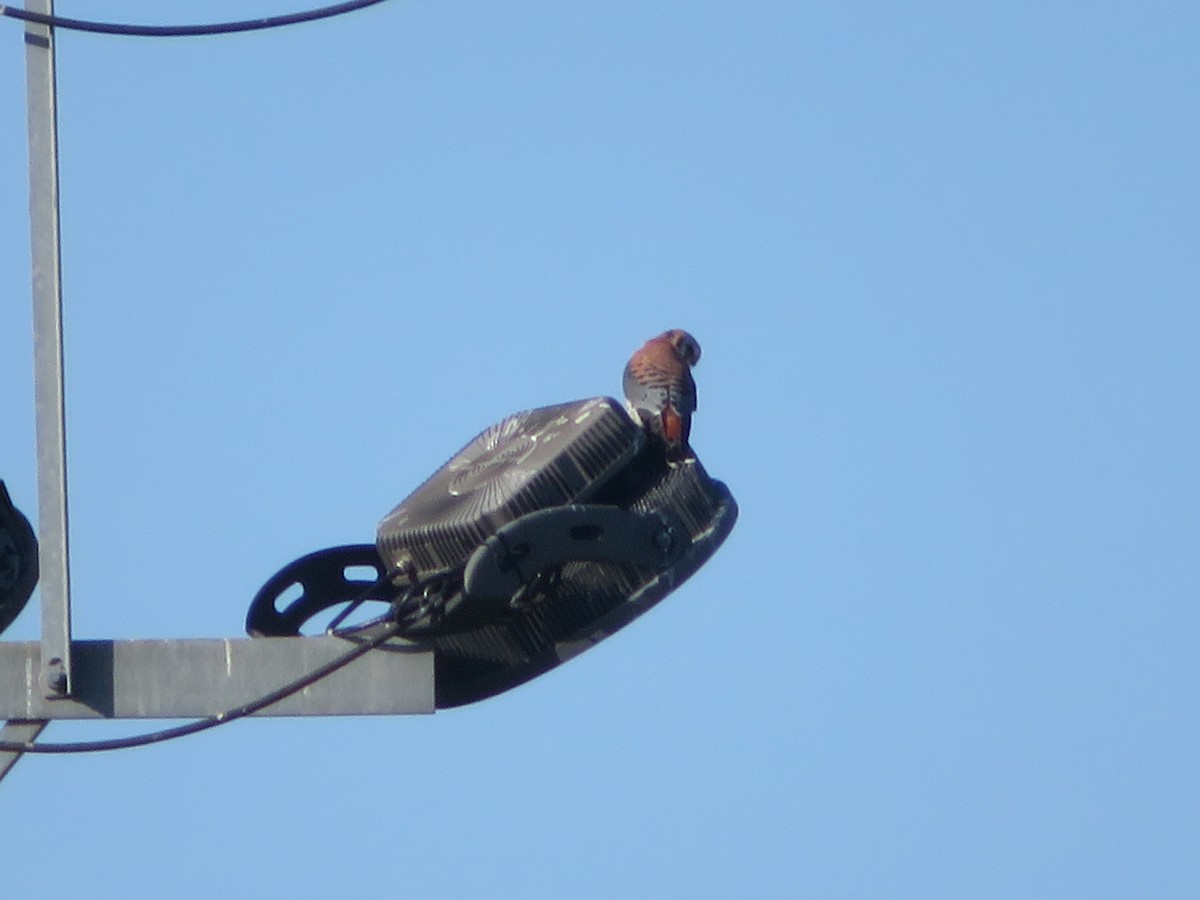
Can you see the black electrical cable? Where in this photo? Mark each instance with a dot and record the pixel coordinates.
(238, 712)
(311, 15)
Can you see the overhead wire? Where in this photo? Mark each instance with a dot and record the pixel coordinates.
(130, 30)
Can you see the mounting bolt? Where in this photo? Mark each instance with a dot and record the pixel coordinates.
(664, 541)
(55, 678)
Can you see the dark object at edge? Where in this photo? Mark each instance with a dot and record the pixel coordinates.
(18, 560)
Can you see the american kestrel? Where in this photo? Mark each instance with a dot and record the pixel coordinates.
(660, 390)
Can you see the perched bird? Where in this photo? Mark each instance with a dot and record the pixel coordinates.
(660, 390)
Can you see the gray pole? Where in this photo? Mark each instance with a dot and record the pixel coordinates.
(49, 403)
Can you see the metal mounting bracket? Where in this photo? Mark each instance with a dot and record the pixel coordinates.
(535, 543)
(198, 677)
(324, 579)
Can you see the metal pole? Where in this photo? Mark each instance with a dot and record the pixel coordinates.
(198, 677)
(17, 731)
(49, 404)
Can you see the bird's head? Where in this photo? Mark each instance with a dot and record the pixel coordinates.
(686, 347)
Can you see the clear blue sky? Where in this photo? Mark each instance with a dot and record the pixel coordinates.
(942, 260)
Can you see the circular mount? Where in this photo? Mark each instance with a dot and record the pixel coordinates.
(323, 579)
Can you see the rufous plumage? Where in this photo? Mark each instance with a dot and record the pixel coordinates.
(660, 390)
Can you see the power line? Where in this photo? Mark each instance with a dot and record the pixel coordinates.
(126, 30)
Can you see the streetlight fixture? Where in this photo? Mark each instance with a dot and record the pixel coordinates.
(547, 533)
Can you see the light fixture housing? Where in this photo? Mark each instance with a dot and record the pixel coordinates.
(532, 460)
(545, 534)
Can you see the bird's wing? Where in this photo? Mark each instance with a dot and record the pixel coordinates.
(656, 378)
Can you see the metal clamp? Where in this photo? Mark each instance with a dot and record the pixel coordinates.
(519, 551)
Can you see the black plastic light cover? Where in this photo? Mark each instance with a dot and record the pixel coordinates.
(529, 461)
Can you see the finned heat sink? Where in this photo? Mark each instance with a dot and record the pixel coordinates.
(529, 461)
